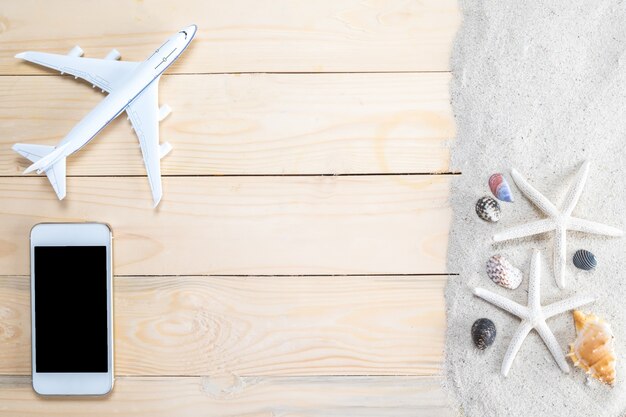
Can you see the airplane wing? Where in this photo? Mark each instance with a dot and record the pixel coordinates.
(143, 113)
(55, 173)
(103, 73)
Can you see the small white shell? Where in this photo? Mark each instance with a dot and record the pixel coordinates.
(503, 273)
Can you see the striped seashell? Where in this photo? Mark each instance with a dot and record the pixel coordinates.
(593, 350)
(500, 188)
(585, 260)
(483, 333)
(503, 273)
(488, 209)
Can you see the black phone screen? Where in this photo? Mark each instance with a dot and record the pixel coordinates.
(71, 309)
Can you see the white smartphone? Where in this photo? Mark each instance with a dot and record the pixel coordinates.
(72, 308)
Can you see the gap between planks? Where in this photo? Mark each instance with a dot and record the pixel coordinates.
(371, 174)
(408, 275)
(56, 74)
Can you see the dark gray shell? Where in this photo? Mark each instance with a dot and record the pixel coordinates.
(483, 333)
(585, 260)
(488, 209)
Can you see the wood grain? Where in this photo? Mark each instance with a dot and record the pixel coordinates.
(244, 225)
(252, 326)
(240, 35)
(206, 325)
(247, 124)
(198, 397)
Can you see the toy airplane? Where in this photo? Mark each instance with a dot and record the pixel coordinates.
(132, 87)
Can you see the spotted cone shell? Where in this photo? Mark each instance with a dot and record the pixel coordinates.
(503, 273)
(488, 209)
(585, 260)
(500, 188)
(593, 350)
(483, 333)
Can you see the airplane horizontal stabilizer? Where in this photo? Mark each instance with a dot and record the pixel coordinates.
(44, 162)
(55, 172)
(32, 152)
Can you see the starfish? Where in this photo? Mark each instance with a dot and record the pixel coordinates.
(558, 221)
(533, 316)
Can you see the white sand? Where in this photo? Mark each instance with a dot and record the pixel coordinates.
(540, 86)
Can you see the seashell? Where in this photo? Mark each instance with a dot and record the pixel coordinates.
(503, 273)
(488, 209)
(483, 333)
(500, 188)
(593, 350)
(583, 259)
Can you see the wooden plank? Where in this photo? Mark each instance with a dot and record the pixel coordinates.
(322, 396)
(244, 225)
(257, 326)
(241, 35)
(248, 124)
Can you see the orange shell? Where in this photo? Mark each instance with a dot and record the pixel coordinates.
(593, 349)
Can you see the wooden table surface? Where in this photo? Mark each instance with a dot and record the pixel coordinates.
(297, 262)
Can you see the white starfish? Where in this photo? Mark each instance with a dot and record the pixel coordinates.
(533, 315)
(558, 221)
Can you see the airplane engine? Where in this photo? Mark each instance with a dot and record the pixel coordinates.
(164, 111)
(76, 52)
(164, 149)
(113, 55)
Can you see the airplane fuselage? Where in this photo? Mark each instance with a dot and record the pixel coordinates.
(132, 87)
(124, 92)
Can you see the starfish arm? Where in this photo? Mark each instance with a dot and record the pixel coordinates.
(533, 195)
(534, 281)
(502, 302)
(573, 194)
(516, 343)
(527, 229)
(553, 345)
(559, 256)
(587, 226)
(566, 305)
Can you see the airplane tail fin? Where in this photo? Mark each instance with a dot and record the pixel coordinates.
(55, 172)
(45, 156)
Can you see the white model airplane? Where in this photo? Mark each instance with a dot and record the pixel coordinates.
(132, 87)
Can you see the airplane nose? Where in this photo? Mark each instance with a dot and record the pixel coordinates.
(189, 32)
(191, 29)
